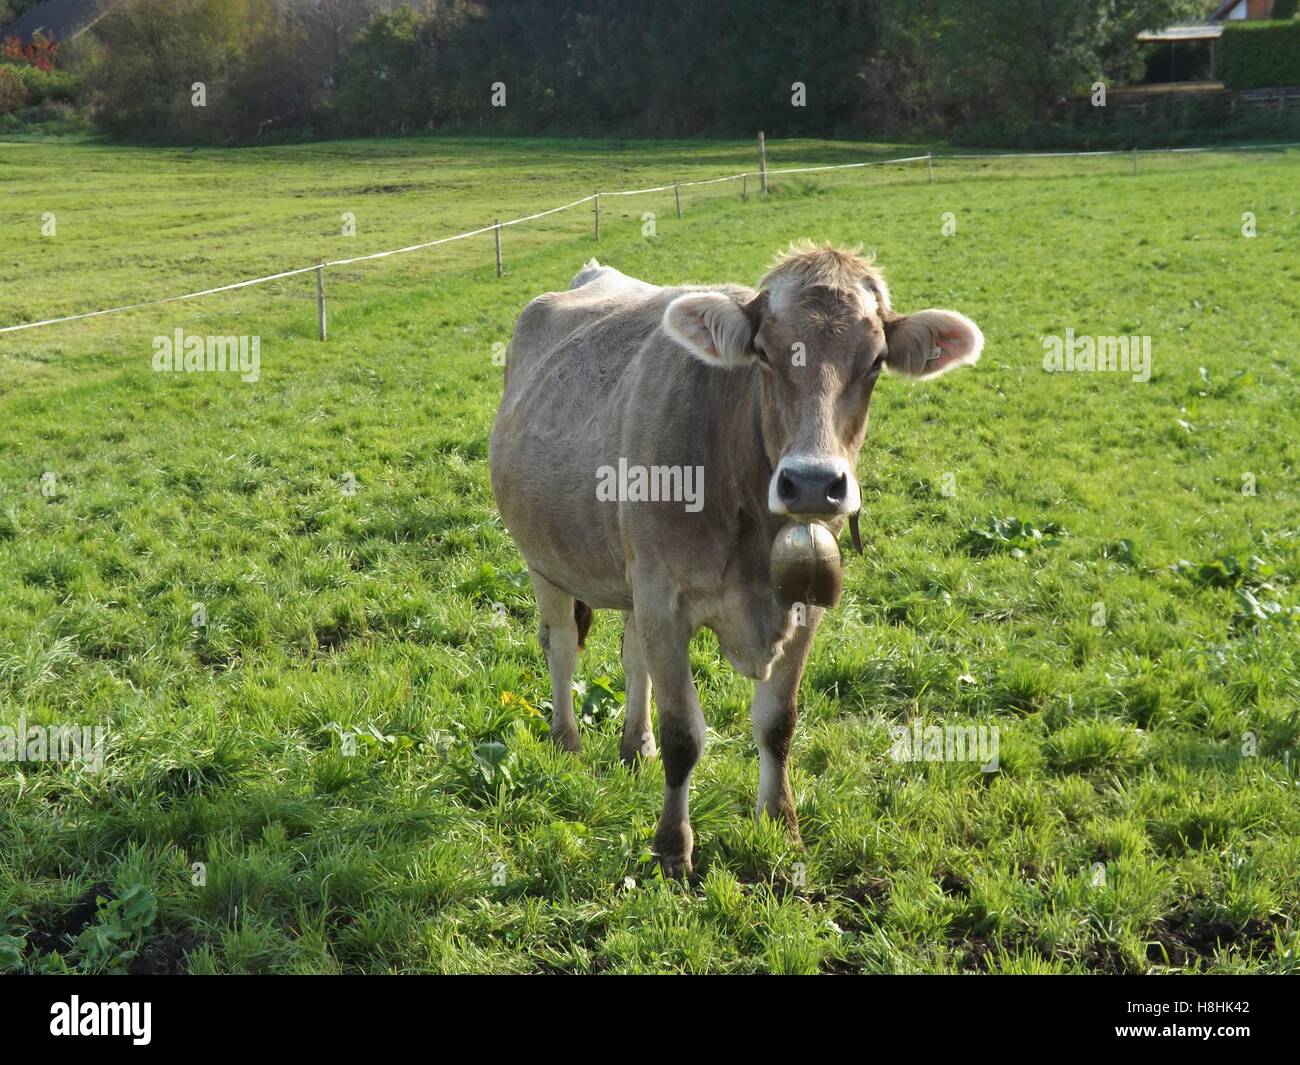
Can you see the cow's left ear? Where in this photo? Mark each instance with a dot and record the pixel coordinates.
(712, 327)
(931, 342)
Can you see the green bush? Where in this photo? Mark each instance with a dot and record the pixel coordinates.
(42, 86)
(245, 53)
(386, 82)
(1259, 55)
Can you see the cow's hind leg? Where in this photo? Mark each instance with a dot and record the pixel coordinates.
(562, 629)
(773, 716)
(638, 737)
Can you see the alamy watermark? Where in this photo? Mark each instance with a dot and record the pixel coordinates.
(53, 743)
(77, 1018)
(946, 743)
(208, 354)
(1098, 354)
(651, 484)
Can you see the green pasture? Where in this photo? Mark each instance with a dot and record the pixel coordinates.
(311, 643)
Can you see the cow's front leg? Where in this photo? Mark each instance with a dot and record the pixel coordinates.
(773, 716)
(665, 643)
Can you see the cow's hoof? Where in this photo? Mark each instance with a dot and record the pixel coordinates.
(636, 749)
(679, 868)
(783, 813)
(673, 848)
(792, 829)
(567, 741)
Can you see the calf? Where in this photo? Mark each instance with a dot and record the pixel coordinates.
(745, 409)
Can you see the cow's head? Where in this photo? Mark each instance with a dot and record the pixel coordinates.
(822, 329)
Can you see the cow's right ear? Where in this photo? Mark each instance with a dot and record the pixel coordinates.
(712, 327)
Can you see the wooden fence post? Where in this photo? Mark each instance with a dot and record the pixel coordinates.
(597, 216)
(929, 167)
(762, 163)
(677, 192)
(320, 300)
(497, 233)
(744, 187)
(1135, 160)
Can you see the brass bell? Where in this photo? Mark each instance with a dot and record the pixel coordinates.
(806, 566)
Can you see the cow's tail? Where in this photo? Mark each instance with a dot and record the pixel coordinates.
(583, 615)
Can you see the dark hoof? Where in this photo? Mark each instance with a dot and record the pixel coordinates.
(567, 741)
(677, 868)
(674, 849)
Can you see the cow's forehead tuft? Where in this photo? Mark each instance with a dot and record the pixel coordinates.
(824, 264)
(826, 279)
(792, 302)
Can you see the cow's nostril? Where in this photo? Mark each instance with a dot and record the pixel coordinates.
(838, 490)
(786, 490)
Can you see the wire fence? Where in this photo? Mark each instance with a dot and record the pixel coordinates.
(763, 173)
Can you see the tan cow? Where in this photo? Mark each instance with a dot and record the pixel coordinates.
(650, 444)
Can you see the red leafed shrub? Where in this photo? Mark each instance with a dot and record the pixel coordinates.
(39, 54)
(13, 91)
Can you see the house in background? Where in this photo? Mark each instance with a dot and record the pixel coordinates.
(1185, 53)
(1243, 9)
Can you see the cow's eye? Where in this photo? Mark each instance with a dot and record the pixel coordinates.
(876, 366)
(762, 355)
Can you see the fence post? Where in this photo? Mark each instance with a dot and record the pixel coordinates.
(762, 163)
(677, 192)
(320, 299)
(744, 187)
(929, 167)
(1135, 160)
(497, 233)
(597, 216)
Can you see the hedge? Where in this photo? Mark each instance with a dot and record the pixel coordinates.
(49, 85)
(23, 86)
(1258, 55)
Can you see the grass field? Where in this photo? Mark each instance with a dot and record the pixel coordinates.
(1145, 814)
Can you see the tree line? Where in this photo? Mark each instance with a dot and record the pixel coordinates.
(250, 71)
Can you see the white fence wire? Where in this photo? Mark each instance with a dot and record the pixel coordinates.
(928, 158)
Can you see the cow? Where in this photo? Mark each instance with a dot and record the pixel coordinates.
(760, 396)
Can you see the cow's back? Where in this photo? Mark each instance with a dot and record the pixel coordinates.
(570, 348)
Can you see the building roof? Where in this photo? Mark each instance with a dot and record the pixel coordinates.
(60, 19)
(1209, 30)
(1203, 32)
(1221, 12)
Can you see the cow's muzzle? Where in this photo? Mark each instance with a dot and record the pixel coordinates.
(814, 487)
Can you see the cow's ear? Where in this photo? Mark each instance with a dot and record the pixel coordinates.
(712, 327)
(931, 342)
